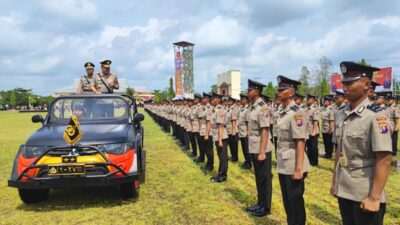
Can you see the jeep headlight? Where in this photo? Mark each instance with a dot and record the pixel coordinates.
(31, 151)
(118, 148)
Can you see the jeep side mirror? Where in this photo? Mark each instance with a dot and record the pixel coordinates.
(37, 119)
(138, 117)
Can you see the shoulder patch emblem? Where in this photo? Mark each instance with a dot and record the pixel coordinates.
(382, 123)
(299, 120)
(221, 113)
(265, 112)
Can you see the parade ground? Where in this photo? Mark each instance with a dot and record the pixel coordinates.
(176, 191)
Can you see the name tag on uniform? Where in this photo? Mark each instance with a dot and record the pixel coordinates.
(343, 161)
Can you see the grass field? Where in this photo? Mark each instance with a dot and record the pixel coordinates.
(176, 190)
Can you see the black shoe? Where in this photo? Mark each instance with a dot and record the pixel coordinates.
(193, 155)
(327, 156)
(198, 160)
(246, 166)
(221, 179)
(252, 208)
(262, 211)
(214, 179)
(207, 168)
(218, 179)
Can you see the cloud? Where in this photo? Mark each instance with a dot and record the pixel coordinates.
(50, 40)
(43, 65)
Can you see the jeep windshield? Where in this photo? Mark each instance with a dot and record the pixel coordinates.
(89, 108)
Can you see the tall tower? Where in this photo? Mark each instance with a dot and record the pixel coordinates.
(184, 67)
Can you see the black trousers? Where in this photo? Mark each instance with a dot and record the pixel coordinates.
(312, 149)
(271, 131)
(244, 141)
(328, 144)
(394, 142)
(276, 146)
(173, 125)
(293, 201)
(192, 138)
(223, 158)
(208, 148)
(352, 214)
(186, 138)
(200, 144)
(168, 126)
(233, 146)
(263, 175)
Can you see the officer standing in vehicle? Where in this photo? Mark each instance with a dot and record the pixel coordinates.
(220, 137)
(362, 163)
(260, 147)
(292, 162)
(106, 81)
(87, 82)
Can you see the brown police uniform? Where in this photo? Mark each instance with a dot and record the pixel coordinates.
(312, 115)
(258, 118)
(327, 115)
(217, 118)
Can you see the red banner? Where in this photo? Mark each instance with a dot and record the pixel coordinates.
(336, 83)
(384, 78)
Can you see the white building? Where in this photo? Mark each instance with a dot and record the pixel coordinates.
(229, 83)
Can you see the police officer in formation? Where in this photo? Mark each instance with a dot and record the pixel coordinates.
(394, 115)
(195, 122)
(219, 136)
(231, 127)
(360, 131)
(362, 162)
(313, 115)
(292, 161)
(242, 130)
(207, 144)
(260, 146)
(327, 120)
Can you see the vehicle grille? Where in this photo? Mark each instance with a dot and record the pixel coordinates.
(80, 150)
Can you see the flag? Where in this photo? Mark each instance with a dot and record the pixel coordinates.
(73, 132)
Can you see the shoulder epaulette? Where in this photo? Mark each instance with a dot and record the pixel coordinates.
(295, 108)
(342, 107)
(374, 108)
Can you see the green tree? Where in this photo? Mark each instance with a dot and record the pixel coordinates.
(160, 95)
(270, 90)
(305, 87)
(130, 91)
(322, 76)
(363, 62)
(171, 93)
(13, 99)
(214, 88)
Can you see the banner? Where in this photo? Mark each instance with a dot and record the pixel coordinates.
(336, 83)
(384, 78)
(188, 72)
(178, 73)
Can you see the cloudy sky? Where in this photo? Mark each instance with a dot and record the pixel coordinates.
(43, 44)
